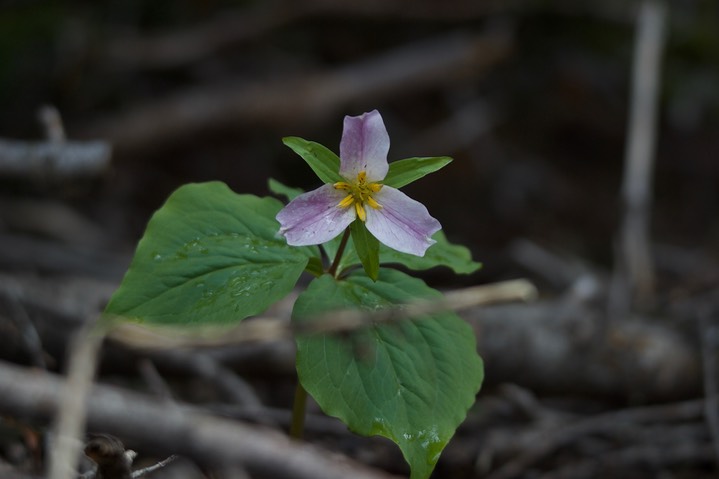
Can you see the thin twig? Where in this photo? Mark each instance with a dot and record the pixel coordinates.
(274, 329)
(636, 276)
(155, 467)
(82, 365)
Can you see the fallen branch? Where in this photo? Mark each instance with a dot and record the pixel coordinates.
(149, 426)
(557, 346)
(272, 329)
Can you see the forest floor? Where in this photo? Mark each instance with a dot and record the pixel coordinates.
(590, 380)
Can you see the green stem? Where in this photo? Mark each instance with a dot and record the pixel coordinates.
(298, 412)
(340, 251)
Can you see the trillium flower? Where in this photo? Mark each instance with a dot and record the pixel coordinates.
(392, 217)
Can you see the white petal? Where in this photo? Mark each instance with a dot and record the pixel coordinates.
(314, 218)
(364, 147)
(402, 223)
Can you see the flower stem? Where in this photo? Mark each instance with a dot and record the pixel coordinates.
(340, 252)
(298, 412)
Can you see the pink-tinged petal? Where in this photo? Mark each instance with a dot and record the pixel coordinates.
(402, 223)
(314, 218)
(364, 147)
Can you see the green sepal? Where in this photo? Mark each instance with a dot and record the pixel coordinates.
(411, 381)
(366, 247)
(404, 172)
(456, 257)
(443, 253)
(209, 255)
(323, 162)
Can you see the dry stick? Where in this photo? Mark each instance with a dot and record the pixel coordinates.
(273, 329)
(82, 365)
(54, 158)
(154, 467)
(149, 425)
(634, 275)
(49, 159)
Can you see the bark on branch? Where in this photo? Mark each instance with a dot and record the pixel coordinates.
(150, 426)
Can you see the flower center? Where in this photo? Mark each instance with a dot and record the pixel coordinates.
(359, 193)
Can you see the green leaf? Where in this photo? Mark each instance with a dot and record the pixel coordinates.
(443, 253)
(323, 162)
(404, 172)
(208, 255)
(283, 190)
(367, 248)
(411, 381)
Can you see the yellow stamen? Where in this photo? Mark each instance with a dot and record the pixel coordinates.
(361, 214)
(348, 200)
(360, 192)
(373, 203)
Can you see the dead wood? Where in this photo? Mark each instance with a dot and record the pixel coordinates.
(558, 346)
(307, 98)
(635, 275)
(150, 426)
(562, 347)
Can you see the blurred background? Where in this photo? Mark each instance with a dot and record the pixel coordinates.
(530, 97)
